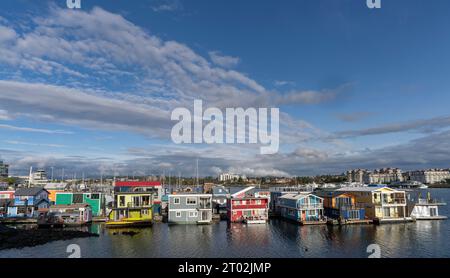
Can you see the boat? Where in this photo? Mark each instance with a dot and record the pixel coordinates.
(50, 220)
(427, 208)
(255, 220)
(129, 222)
(408, 184)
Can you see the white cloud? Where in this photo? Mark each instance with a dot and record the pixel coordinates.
(4, 115)
(14, 142)
(223, 60)
(38, 130)
(167, 6)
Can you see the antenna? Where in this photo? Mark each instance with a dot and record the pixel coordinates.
(197, 173)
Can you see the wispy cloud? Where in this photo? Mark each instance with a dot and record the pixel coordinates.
(223, 60)
(280, 83)
(354, 116)
(13, 142)
(167, 5)
(30, 129)
(4, 115)
(422, 126)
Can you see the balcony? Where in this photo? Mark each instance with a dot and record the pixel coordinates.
(205, 205)
(310, 206)
(395, 201)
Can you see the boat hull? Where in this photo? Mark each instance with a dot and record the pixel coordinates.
(129, 223)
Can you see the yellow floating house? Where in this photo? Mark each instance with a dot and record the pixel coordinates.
(381, 203)
(131, 209)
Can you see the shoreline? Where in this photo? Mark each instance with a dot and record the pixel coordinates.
(20, 238)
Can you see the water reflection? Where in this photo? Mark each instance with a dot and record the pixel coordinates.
(278, 238)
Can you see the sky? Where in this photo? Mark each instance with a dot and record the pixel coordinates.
(92, 90)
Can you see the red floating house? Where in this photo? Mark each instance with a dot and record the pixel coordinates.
(245, 207)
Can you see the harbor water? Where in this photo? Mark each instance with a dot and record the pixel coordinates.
(422, 239)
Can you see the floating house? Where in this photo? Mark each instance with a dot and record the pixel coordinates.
(187, 208)
(248, 209)
(154, 187)
(134, 203)
(381, 203)
(427, 208)
(71, 215)
(341, 206)
(28, 202)
(95, 200)
(244, 206)
(305, 208)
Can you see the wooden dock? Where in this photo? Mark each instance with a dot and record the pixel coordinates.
(319, 222)
(13, 221)
(379, 221)
(335, 222)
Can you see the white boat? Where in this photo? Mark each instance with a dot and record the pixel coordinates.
(255, 220)
(427, 209)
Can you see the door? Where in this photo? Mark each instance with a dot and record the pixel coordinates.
(433, 211)
(205, 216)
(387, 212)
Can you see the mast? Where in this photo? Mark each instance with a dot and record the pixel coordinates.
(197, 173)
(30, 176)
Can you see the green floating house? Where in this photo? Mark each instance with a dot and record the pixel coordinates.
(95, 200)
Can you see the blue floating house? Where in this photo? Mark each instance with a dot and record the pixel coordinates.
(28, 201)
(301, 207)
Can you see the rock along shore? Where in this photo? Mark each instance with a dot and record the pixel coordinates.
(20, 238)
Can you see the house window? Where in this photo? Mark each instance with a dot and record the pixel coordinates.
(353, 214)
(433, 211)
(193, 214)
(145, 200)
(137, 201)
(95, 196)
(178, 214)
(191, 201)
(121, 201)
(176, 201)
(258, 202)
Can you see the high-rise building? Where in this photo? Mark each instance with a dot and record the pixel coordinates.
(430, 176)
(4, 168)
(228, 177)
(386, 176)
(379, 176)
(358, 176)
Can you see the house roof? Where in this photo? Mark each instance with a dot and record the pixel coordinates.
(329, 193)
(137, 183)
(33, 191)
(364, 189)
(296, 196)
(243, 191)
(220, 190)
(73, 206)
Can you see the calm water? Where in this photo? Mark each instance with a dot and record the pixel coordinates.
(276, 239)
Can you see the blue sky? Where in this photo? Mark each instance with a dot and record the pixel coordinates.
(92, 89)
